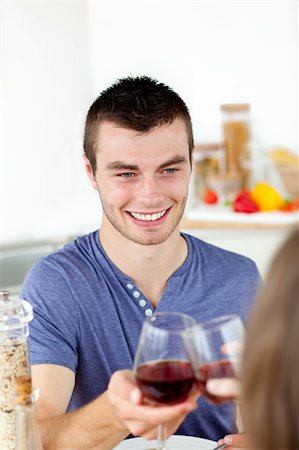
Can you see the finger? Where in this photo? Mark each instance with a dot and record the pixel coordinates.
(143, 420)
(141, 429)
(136, 396)
(158, 414)
(228, 447)
(224, 387)
(234, 441)
(167, 414)
(150, 432)
(122, 383)
(233, 348)
(151, 414)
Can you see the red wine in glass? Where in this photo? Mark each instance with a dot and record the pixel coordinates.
(215, 348)
(166, 381)
(162, 364)
(215, 369)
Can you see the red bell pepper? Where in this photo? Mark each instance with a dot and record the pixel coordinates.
(243, 203)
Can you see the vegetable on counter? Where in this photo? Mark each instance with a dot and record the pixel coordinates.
(244, 203)
(290, 206)
(266, 197)
(262, 198)
(210, 197)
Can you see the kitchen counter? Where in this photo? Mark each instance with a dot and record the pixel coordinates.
(221, 217)
(257, 235)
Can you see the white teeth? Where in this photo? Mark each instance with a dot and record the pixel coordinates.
(148, 217)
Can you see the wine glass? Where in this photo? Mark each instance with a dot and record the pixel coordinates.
(215, 348)
(162, 366)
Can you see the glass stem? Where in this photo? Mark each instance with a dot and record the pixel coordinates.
(160, 438)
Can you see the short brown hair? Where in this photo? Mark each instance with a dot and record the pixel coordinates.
(139, 104)
(270, 390)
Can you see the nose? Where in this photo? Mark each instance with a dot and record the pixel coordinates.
(150, 192)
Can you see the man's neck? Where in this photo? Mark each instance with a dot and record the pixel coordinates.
(149, 266)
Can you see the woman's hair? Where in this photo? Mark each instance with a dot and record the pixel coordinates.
(270, 389)
(139, 104)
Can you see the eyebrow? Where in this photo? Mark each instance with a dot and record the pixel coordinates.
(177, 159)
(120, 165)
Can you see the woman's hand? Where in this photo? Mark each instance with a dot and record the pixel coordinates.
(228, 387)
(224, 387)
(234, 442)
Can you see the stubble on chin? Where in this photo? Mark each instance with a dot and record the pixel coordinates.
(150, 237)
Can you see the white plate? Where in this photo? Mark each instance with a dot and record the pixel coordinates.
(173, 443)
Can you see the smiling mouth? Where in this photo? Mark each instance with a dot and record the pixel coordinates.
(148, 217)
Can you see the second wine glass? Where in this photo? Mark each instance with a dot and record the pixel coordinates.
(215, 348)
(162, 367)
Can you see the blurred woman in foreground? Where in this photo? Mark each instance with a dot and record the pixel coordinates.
(270, 382)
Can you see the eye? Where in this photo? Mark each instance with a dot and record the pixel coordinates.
(126, 174)
(170, 170)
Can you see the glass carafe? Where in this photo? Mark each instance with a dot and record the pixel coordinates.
(14, 317)
(27, 434)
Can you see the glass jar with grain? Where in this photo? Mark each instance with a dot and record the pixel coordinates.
(236, 131)
(14, 317)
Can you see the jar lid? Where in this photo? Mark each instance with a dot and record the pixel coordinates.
(235, 107)
(14, 313)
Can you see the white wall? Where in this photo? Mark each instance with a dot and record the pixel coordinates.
(45, 90)
(211, 52)
(57, 56)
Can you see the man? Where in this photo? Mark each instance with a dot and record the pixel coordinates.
(91, 297)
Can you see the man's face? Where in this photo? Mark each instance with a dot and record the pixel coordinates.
(142, 179)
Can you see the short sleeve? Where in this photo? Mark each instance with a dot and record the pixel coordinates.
(54, 330)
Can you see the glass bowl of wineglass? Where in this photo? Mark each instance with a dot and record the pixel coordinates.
(162, 367)
(215, 348)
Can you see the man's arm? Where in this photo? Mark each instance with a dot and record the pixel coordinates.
(104, 422)
(91, 427)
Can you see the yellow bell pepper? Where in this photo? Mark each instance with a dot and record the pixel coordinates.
(266, 197)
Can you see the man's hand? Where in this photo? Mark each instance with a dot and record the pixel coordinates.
(139, 418)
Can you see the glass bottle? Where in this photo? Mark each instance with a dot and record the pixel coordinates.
(14, 317)
(208, 163)
(27, 434)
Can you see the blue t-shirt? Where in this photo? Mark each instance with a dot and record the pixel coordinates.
(88, 314)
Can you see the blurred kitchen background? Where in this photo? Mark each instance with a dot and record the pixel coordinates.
(57, 56)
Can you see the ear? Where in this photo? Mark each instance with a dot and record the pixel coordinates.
(89, 172)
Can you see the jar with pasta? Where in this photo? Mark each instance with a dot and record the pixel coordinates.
(15, 315)
(236, 131)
